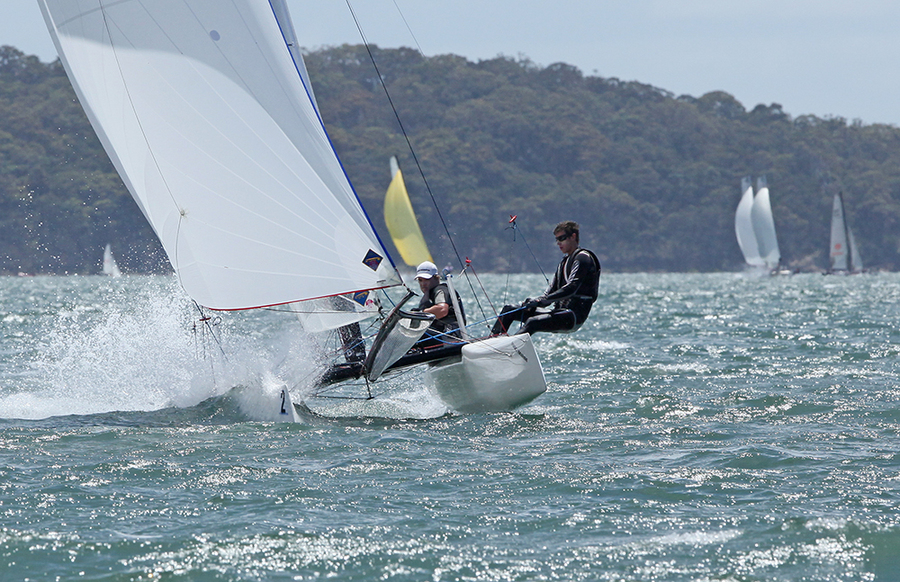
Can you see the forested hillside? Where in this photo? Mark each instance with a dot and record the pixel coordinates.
(653, 178)
(61, 200)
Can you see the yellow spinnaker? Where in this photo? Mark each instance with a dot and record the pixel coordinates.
(401, 221)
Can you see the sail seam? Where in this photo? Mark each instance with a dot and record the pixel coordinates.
(106, 26)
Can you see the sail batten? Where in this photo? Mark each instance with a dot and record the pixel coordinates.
(206, 113)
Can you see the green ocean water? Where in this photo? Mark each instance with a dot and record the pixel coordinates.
(699, 427)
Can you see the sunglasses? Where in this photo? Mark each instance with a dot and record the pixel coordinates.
(563, 237)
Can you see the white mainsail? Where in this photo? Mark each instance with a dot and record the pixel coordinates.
(843, 256)
(202, 108)
(743, 226)
(764, 226)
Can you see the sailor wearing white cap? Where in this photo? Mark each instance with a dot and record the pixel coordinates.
(436, 301)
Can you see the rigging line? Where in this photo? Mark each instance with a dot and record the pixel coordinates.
(415, 40)
(412, 150)
(483, 290)
(405, 134)
(515, 229)
(472, 288)
(205, 320)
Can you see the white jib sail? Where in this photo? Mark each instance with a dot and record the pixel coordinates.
(743, 226)
(764, 226)
(203, 112)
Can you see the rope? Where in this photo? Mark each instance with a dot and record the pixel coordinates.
(411, 148)
(403, 131)
(205, 320)
(415, 40)
(483, 290)
(515, 229)
(520, 308)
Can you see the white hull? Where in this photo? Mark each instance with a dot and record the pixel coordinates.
(491, 375)
(270, 402)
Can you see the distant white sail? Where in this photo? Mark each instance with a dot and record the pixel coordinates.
(764, 226)
(743, 226)
(109, 263)
(201, 109)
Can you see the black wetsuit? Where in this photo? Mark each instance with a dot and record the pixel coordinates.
(573, 289)
(442, 330)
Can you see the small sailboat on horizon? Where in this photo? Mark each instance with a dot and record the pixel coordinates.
(844, 255)
(401, 222)
(110, 268)
(754, 227)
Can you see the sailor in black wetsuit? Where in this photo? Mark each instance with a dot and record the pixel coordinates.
(573, 290)
(436, 300)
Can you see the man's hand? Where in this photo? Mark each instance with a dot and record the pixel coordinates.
(533, 303)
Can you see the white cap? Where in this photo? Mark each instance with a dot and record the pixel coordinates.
(426, 270)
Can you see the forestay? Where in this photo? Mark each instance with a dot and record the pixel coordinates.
(202, 109)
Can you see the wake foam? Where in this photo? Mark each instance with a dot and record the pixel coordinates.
(123, 356)
(140, 347)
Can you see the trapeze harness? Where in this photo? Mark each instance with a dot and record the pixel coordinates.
(446, 329)
(574, 290)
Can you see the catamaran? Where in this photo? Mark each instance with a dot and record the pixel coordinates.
(207, 112)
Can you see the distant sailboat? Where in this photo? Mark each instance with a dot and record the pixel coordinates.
(844, 255)
(401, 220)
(109, 263)
(755, 227)
(743, 226)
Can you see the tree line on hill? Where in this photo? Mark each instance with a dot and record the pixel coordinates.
(652, 178)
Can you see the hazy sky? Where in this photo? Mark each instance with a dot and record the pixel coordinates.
(824, 57)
